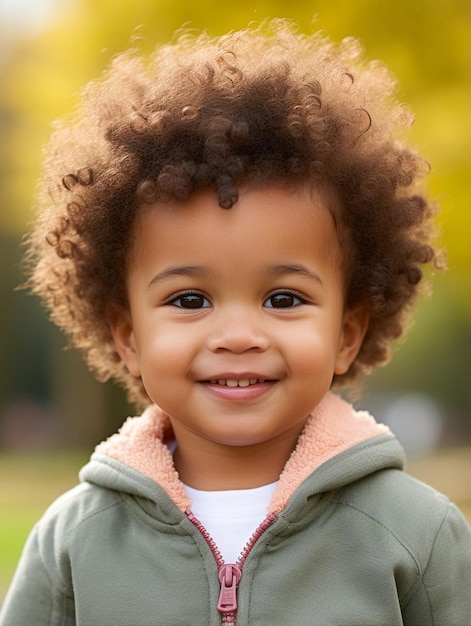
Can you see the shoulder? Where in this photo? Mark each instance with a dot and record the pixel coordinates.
(392, 490)
(397, 501)
(413, 514)
(79, 504)
(67, 525)
(420, 535)
(79, 507)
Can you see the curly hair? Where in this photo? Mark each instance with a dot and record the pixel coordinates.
(248, 108)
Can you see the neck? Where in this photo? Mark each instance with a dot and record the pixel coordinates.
(218, 467)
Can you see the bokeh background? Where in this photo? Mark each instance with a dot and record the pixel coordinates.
(52, 412)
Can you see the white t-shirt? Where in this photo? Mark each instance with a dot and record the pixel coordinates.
(231, 517)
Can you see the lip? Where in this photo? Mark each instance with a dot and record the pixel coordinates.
(237, 376)
(239, 394)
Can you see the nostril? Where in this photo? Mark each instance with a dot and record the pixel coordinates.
(237, 339)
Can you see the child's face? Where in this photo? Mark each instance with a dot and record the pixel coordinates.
(237, 322)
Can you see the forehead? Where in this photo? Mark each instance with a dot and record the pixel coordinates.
(276, 221)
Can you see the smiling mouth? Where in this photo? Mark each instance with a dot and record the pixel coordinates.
(244, 382)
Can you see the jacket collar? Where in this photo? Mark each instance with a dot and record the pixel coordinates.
(332, 428)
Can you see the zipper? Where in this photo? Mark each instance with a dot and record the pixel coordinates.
(229, 574)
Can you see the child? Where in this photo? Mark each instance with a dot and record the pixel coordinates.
(229, 231)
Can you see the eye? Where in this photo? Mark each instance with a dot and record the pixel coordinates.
(284, 300)
(190, 300)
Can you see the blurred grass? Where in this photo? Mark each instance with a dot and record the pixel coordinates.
(29, 482)
(449, 471)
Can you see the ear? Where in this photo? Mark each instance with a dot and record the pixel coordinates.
(121, 328)
(355, 325)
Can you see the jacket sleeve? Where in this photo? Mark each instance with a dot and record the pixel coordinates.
(444, 598)
(34, 597)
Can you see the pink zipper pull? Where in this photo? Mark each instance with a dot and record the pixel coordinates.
(229, 577)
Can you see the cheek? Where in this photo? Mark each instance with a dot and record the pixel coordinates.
(165, 355)
(162, 371)
(312, 364)
(310, 345)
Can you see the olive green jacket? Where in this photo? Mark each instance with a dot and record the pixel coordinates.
(349, 540)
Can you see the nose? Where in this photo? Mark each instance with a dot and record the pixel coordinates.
(238, 331)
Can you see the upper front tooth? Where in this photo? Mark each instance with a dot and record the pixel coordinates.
(232, 382)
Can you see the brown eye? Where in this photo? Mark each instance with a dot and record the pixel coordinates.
(190, 301)
(283, 300)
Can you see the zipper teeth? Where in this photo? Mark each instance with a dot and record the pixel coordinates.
(254, 538)
(230, 619)
(209, 540)
(248, 546)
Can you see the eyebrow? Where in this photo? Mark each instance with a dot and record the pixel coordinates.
(279, 270)
(179, 270)
(198, 270)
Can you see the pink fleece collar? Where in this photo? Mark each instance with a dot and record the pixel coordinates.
(334, 426)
